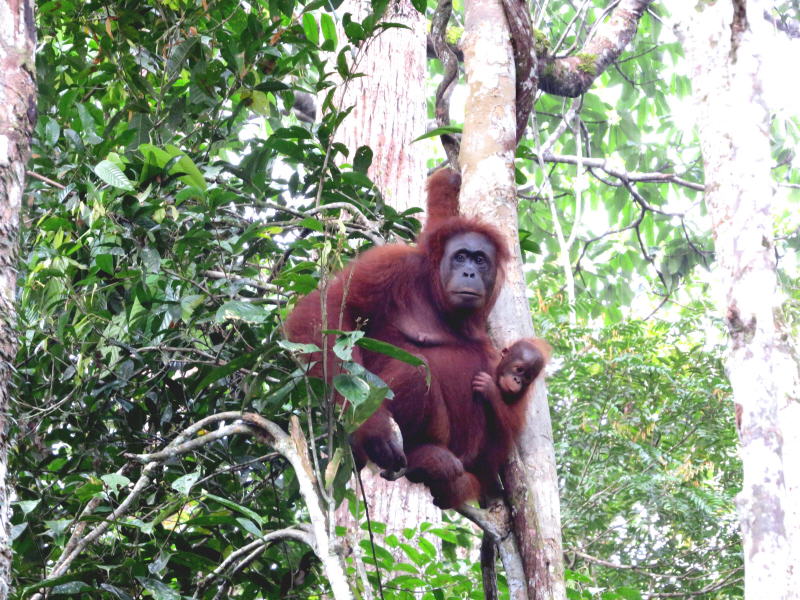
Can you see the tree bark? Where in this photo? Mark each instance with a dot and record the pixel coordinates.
(726, 43)
(17, 117)
(489, 190)
(390, 112)
(395, 65)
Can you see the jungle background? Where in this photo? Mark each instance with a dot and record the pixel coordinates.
(187, 185)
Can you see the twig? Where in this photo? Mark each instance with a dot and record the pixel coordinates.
(47, 180)
(632, 176)
(300, 534)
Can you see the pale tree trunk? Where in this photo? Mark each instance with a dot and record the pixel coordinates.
(390, 112)
(487, 160)
(390, 103)
(17, 114)
(726, 43)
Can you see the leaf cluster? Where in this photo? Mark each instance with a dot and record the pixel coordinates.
(647, 454)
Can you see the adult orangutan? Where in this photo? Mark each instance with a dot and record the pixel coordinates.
(431, 300)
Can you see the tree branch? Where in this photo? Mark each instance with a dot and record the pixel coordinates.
(573, 75)
(292, 446)
(236, 559)
(495, 522)
(608, 167)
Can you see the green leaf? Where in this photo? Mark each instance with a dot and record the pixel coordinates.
(151, 260)
(362, 412)
(238, 310)
(408, 581)
(178, 56)
(439, 131)
(71, 587)
(391, 350)
(341, 63)
(313, 224)
(297, 347)
(250, 514)
(362, 159)
(57, 526)
(343, 348)
(629, 593)
(184, 483)
(160, 591)
(354, 31)
(52, 131)
(310, 28)
(249, 526)
(113, 175)
(52, 223)
(354, 389)
(219, 372)
(27, 506)
(105, 262)
(191, 175)
(328, 32)
(115, 481)
(257, 101)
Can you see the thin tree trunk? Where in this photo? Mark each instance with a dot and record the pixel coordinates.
(17, 116)
(726, 44)
(487, 160)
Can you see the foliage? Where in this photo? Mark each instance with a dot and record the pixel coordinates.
(179, 219)
(423, 571)
(629, 236)
(646, 449)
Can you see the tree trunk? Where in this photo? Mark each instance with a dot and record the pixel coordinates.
(390, 103)
(390, 112)
(489, 190)
(726, 44)
(17, 116)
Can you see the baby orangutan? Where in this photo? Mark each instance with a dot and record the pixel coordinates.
(520, 365)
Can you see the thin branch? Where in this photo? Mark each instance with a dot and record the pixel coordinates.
(608, 167)
(256, 547)
(730, 579)
(590, 241)
(563, 125)
(171, 452)
(46, 180)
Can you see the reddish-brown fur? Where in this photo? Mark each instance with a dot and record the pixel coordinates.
(394, 292)
(510, 408)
